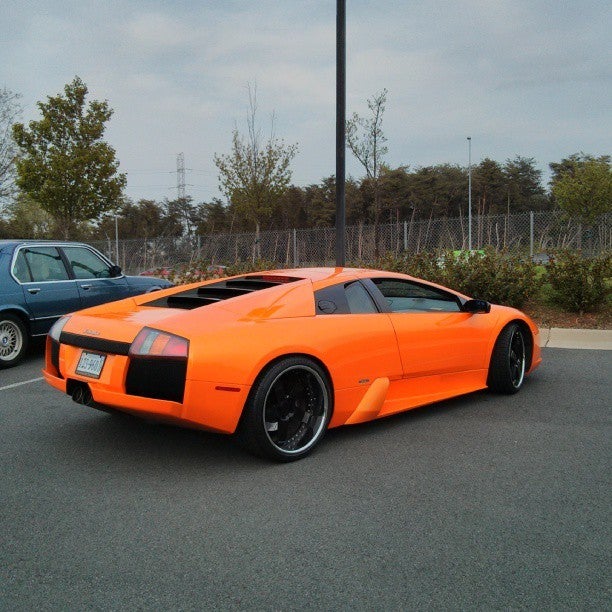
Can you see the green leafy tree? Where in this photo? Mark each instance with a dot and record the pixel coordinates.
(490, 187)
(437, 191)
(213, 217)
(355, 204)
(395, 193)
(571, 163)
(26, 219)
(524, 182)
(583, 188)
(143, 219)
(292, 212)
(256, 173)
(322, 200)
(64, 164)
(185, 215)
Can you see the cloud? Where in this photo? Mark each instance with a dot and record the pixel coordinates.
(156, 31)
(522, 77)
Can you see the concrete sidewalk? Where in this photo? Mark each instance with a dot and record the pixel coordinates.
(557, 337)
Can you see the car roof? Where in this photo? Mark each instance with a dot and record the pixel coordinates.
(14, 242)
(315, 274)
(326, 275)
(18, 241)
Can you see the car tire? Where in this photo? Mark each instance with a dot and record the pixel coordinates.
(13, 340)
(287, 411)
(508, 361)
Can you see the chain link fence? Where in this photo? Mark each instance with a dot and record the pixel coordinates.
(534, 233)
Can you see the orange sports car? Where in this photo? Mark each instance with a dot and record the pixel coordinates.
(278, 357)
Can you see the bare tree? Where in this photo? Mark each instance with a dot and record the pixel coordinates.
(366, 140)
(256, 173)
(10, 109)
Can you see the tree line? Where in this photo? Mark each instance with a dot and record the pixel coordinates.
(68, 184)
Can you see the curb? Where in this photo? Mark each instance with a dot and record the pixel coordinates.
(593, 339)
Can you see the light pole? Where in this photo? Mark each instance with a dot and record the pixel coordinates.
(469, 138)
(116, 240)
(340, 130)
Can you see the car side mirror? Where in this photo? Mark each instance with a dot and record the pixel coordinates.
(114, 271)
(476, 306)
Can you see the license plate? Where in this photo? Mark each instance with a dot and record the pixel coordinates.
(90, 364)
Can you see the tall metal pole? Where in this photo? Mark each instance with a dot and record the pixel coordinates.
(180, 176)
(531, 234)
(469, 193)
(340, 130)
(116, 240)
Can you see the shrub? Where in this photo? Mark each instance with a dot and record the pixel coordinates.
(579, 284)
(499, 277)
(496, 276)
(421, 265)
(246, 267)
(197, 270)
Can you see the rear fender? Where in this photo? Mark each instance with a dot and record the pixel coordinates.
(20, 312)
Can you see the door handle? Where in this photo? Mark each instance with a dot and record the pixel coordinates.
(86, 287)
(34, 290)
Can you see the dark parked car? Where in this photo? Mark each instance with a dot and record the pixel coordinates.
(41, 280)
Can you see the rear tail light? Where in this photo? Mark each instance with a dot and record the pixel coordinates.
(53, 346)
(154, 343)
(158, 365)
(57, 328)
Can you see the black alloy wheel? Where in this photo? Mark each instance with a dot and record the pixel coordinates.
(516, 358)
(288, 410)
(508, 361)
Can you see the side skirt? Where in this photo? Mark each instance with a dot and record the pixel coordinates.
(385, 397)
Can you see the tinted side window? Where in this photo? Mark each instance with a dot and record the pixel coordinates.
(45, 264)
(86, 264)
(359, 300)
(349, 298)
(406, 296)
(20, 270)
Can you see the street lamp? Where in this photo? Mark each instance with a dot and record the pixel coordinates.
(469, 138)
(340, 131)
(116, 240)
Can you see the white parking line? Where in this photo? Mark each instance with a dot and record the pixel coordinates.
(25, 382)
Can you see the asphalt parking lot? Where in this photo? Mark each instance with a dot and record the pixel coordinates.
(482, 502)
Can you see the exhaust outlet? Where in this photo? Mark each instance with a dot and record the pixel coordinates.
(81, 394)
(77, 395)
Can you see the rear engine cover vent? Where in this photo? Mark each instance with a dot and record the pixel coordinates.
(222, 290)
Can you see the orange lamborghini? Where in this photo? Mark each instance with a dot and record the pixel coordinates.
(278, 357)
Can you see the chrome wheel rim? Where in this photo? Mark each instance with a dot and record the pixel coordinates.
(295, 409)
(516, 359)
(11, 340)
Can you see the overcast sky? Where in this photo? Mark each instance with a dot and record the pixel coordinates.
(521, 77)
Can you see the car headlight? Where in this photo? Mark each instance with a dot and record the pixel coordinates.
(58, 326)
